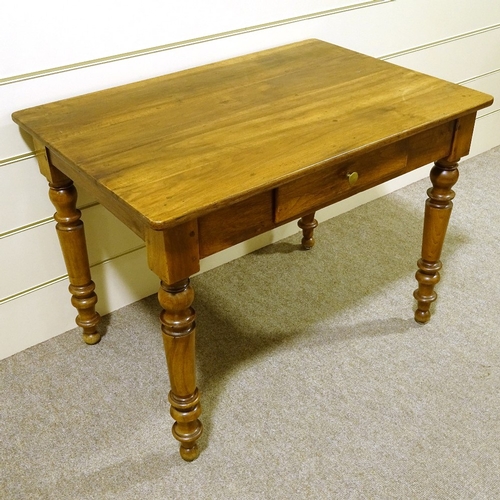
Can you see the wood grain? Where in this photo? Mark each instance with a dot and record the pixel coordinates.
(180, 146)
(330, 184)
(198, 161)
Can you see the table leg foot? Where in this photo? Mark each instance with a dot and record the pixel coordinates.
(438, 208)
(178, 328)
(187, 428)
(427, 277)
(308, 224)
(84, 300)
(72, 240)
(190, 454)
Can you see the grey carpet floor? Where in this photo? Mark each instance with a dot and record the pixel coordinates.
(316, 381)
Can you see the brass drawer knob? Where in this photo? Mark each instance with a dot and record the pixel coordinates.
(352, 178)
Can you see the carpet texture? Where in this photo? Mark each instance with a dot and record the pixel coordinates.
(316, 381)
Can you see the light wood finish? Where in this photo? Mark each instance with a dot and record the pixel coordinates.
(200, 160)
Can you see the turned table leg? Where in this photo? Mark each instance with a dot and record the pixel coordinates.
(178, 327)
(308, 224)
(438, 208)
(72, 239)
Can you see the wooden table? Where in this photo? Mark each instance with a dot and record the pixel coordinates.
(197, 161)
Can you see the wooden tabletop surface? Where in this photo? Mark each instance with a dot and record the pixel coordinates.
(178, 146)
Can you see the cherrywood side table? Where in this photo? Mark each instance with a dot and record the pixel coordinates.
(197, 161)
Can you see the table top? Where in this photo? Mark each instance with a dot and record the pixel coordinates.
(179, 146)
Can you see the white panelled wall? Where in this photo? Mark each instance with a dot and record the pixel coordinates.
(50, 51)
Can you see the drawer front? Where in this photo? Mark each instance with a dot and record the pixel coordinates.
(333, 183)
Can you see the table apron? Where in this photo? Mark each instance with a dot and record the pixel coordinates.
(331, 183)
(325, 186)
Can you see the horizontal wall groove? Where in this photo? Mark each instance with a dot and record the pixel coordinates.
(192, 41)
(16, 159)
(477, 77)
(65, 276)
(489, 113)
(442, 41)
(40, 222)
(33, 289)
